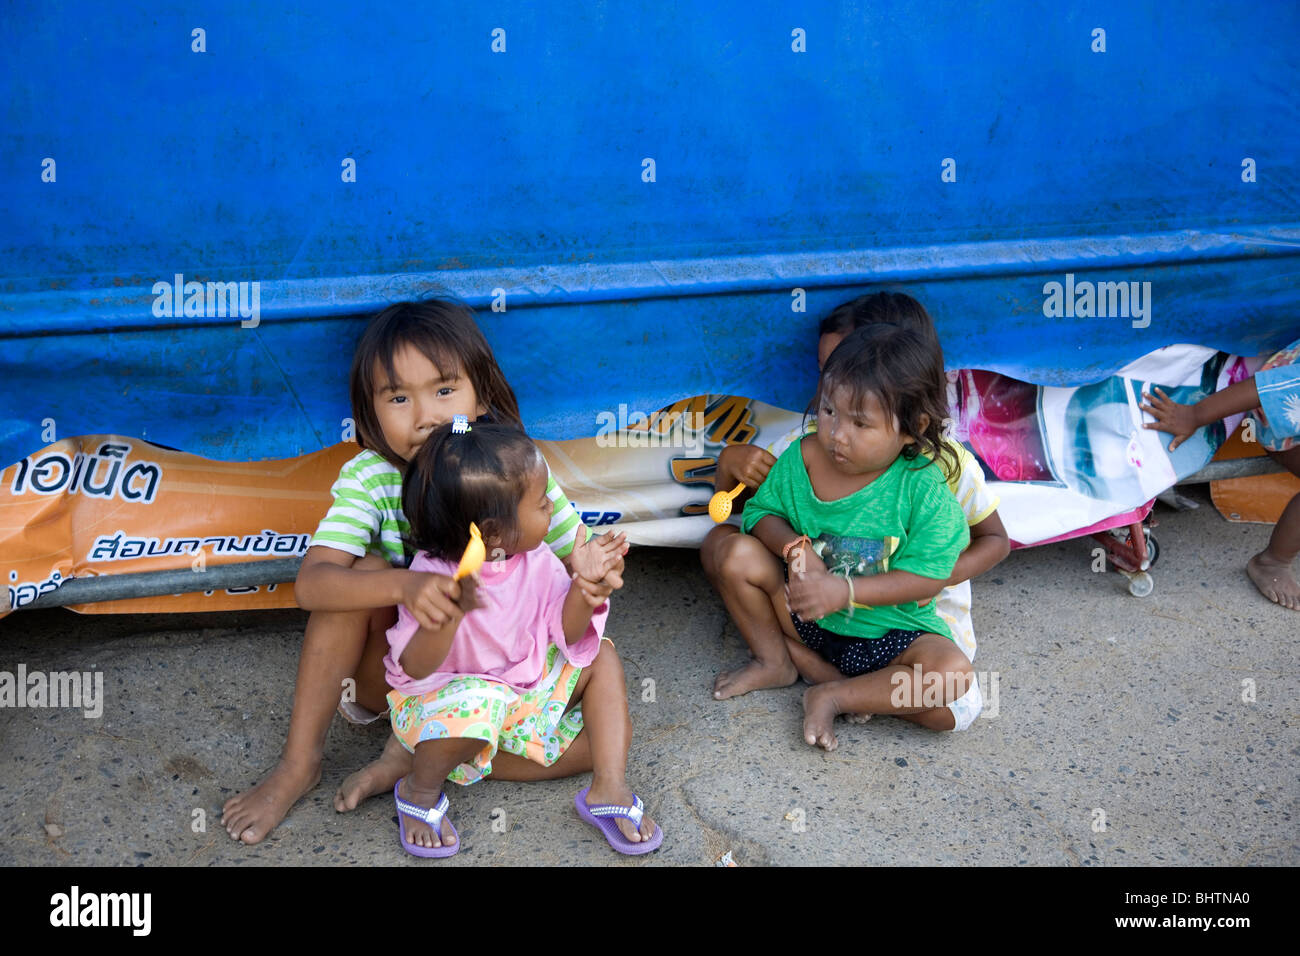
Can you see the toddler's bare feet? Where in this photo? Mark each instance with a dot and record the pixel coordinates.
(419, 833)
(621, 795)
(819, 713)
(855, 718)
(753, 676)
(374, 778)
(250, 816)
(1274, 580)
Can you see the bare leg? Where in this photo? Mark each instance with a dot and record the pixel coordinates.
(711, 548)
(898, 689)
(811, 666)
(936, 718)
(750, 583)
(433, 760)
(608, 727)
(1271, 568)
(331, 651)
(371, 678)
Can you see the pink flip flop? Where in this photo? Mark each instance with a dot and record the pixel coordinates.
(431, 815)
(602, 817)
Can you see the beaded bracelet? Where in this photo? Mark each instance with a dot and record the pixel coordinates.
(785, 552)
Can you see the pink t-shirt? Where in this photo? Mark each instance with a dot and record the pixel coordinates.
(505, 640)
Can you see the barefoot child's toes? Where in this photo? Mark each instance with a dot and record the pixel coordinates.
(1274, 580)
(374, 778)
(250, 816)
(366, 782)
(753, 676)
(820, 712)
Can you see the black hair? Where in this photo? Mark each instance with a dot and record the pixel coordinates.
(444, 331)
(892, 308)
(478, 477)
(903, 372)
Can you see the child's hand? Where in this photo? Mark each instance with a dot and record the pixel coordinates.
(1170, 416)
(748, 463)
(812, 596)
(432, 599)
(593, 561)
(598, 591)
(469, 593)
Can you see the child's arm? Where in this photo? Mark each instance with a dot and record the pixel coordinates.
(327, 581)
(1183, 420)
(428, 648)
(815, 594)
(592, 564)
(775, 533)
(989, 544)
(938, 530)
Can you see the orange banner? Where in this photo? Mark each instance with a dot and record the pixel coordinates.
(1260, 498)
(104, 504)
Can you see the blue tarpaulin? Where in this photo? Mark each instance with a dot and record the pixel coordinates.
(643, 189)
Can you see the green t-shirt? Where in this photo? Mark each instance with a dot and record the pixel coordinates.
(905, 520)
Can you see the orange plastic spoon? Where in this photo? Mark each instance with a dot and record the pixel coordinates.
(720, 503)
(474, 554)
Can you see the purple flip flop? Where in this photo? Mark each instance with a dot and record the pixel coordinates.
(602, 816)
(430, 815)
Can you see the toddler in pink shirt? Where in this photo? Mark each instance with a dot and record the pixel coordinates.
(507, 638)
(520, 680)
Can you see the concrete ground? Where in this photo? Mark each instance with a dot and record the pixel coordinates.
(1121, 731)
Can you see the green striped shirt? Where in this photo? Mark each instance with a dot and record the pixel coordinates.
(366, 517)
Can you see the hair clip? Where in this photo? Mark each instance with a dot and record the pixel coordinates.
(459, 424)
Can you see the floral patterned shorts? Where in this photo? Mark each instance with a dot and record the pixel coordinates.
(532, 724)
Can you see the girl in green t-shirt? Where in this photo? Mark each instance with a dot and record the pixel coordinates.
(848, 540)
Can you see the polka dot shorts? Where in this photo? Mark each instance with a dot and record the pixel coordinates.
(853, 656)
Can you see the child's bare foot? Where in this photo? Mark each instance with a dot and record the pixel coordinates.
(819, 713)
(419, 833)
(250, 816)
(753, 676)
(374, 778)
(1274, 580)
(621, 795)
(855, 718)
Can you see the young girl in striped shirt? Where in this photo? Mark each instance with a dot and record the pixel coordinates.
(416, 366)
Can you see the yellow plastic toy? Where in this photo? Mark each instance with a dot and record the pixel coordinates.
(474, 554)
(720, 503)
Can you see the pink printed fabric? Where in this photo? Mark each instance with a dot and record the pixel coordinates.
(506, 639)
